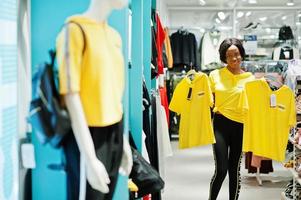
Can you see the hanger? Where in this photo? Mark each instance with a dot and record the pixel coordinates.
(273, 82)
(191, 72)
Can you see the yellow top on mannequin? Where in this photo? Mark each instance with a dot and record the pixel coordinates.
(96, 173)
(98, 74)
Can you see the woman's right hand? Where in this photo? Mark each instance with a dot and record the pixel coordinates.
(97, 175)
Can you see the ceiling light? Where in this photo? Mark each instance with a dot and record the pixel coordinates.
(202, 2)
(248, 13)
(263, 18)
(236, 21)
(217, 20)
(299, 15)
(221, 15)
(268, 30)
(252, 1)
(284, 17)
(240, 14)
(290, 3)
(298, 23)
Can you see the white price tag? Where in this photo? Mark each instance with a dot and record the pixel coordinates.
(273, 100)
(27, 155)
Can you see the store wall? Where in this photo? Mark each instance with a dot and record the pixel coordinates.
(8, 101)
(163, 12)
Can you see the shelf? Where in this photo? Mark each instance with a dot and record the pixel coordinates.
(283, 197)
(295, 175)
(293, 142)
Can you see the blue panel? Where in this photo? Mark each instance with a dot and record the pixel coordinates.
(136, 72)
(147, 48)
(120, 21)
(47, 18)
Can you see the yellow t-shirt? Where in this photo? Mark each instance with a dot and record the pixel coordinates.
(266, 128)
(98, 74)
(227, 88)
(194, 108)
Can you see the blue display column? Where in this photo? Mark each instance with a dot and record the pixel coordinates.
(47, 18)
(147, 45)
(135, 75)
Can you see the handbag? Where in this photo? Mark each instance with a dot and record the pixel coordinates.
(145, 176)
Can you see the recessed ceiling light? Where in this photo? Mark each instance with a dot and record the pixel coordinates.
(221, 15)
(240, 14)
(299, 15)
(248, 13)
(263, 18)
(252, 1)
(284, 17)
(290, 3)
(202, 2)
(217, 20)
(268, 30)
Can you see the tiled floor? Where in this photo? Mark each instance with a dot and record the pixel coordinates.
(188, 175)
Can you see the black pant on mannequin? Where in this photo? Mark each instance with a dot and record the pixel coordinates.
(108, 143)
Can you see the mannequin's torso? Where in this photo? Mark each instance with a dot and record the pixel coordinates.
(96, 173)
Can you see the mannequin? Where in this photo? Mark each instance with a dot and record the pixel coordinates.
(76, 99)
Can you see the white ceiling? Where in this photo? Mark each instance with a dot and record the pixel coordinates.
(227, 3)
(205, 19)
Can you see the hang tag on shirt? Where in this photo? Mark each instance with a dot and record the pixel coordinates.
(28, 156)
(273, 100)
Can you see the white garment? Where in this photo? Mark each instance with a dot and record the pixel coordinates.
(210, 46)
(293, 71)
(144, 150)
(164, 146)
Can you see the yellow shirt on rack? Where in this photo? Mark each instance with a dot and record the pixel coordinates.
(227, 88)
(266, 128)
(192, 100)
(98, 75)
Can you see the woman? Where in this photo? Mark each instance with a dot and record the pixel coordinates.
(227, 84)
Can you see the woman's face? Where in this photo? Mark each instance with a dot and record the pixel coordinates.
(233, 57)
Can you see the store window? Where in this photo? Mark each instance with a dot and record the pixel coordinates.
(8, 100)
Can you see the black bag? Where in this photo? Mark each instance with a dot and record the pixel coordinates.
(145, 176)
(50, 120)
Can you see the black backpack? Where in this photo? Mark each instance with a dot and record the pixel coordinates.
(49, 118)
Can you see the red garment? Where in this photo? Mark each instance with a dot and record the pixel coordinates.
(160, 37)
(164, 102)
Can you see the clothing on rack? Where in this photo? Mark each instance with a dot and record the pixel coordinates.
(164, 101)
(285, 53)
(265, 167)
(160, 37)
(292, 73)
(168, 48)
(209, 49)
(184, 47)
(164, 146)
(192, 100)
(269, 115)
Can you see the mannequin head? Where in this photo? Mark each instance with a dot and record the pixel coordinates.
(118, 4)
(101, 9)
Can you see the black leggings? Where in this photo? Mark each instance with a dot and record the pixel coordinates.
(227, 153)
